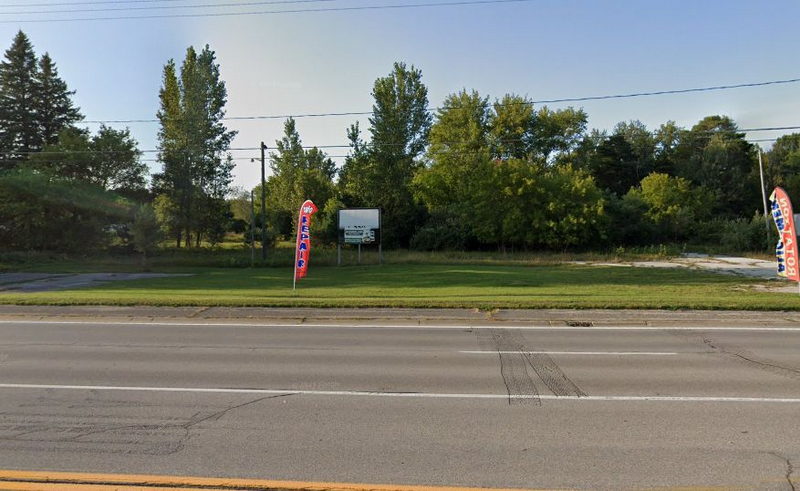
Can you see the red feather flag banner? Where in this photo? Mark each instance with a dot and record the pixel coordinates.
(303, 247)
(786, 251)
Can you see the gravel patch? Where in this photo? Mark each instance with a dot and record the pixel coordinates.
(42, 282)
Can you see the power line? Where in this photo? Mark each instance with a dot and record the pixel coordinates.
(267, 12)
(675, 91)
(161, 7)
(102, 2)
(340, 146)
(543, 101)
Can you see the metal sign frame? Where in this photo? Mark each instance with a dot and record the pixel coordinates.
(372, 235)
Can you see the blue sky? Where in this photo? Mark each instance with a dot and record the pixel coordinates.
(327, 61)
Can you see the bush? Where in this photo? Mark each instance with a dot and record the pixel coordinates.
(736, 235)
(443, 232)
(146, 231)
(47, 213)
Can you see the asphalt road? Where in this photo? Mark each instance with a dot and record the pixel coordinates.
(554, 407)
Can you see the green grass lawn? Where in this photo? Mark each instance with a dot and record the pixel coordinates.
(484, 286)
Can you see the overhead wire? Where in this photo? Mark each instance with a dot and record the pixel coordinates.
(162, 7)
(304, 147)
(101, 2)
(433, 109)
(274, 12)
(341, 146)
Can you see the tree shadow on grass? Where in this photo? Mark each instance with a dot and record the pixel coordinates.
(430, 280)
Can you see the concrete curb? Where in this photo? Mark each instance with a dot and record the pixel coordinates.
(543, 317)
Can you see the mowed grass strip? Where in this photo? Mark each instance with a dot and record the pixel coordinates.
(481, 286)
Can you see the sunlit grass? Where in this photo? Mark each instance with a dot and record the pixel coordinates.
(484, 286)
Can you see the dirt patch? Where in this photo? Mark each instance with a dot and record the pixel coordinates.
(730, 265)
(43, 282)
(740, 266)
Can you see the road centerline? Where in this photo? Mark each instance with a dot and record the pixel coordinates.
(428, 395)
(579, 353)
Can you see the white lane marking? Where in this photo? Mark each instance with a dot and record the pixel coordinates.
(581, 353)
(429, 395)
(410, 326)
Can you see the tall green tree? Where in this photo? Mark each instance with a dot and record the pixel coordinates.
(715, 155)
(667, 140)
(487, 177)
(783, 165)
(512, 126)
(109, 159)
(194, 143)
(672, 203)
(456, 183)
(297, 174)
(35, 103)
(19, 126)
(643, 145)
(614, 165)
(382, 176)
(116, 161)
(557, 134)
(53, 103)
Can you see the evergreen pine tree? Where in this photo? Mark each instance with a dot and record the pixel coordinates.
(19, 129)
(53, 106)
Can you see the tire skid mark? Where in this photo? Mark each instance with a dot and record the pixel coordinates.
(517, 378)
(552, 376)
(513, 368)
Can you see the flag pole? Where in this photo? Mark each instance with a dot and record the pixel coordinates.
(294, 276)
(296, 246)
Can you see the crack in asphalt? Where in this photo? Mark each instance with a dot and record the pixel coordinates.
(176, 446)
(199, 311)
(789, 469)
(749, 359)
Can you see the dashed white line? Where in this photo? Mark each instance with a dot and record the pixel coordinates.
(429, 395)
(355, 325)
(578, 353)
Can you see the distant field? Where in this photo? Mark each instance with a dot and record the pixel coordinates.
(484, 286)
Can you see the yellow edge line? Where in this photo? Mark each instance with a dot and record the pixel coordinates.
(38, 486)
(25, 480)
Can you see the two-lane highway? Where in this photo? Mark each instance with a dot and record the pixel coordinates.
(504, 406)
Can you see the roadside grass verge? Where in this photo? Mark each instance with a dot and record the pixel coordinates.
(482, 286)
(234, 255)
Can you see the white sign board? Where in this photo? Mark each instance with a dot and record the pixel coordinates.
(360, 219)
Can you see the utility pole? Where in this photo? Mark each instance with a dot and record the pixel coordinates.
(252, 229)
(763, 191)
(263, 205)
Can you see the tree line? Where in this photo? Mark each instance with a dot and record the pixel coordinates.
(476, 173)
(483, 174)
